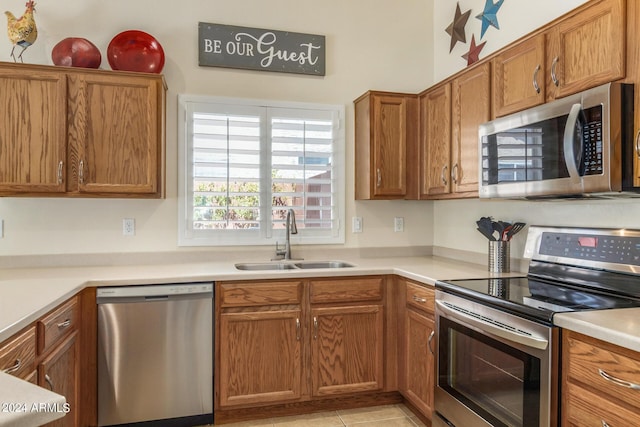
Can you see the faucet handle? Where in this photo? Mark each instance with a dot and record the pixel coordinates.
(280, 253)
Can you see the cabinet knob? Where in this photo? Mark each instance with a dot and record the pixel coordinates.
(379, 180)
(315, 328)
(416, 298)
(430, 340)
(554, 77)
(443, 175)
(14, 368)
(454, 174)
(64, 324)
(47, 378)
(605, 424)
(81, 172)
(297, 329)
(638, 144)
(536, 86)
(60, 167)
(618, 381)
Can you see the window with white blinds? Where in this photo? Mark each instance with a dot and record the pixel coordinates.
(244, 164)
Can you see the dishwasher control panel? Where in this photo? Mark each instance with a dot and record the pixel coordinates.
(155, 290)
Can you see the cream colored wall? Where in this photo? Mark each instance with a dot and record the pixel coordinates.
(515, 19)
(371, 44)
(454, 221)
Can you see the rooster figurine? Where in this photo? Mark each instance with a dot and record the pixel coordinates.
(22, 31)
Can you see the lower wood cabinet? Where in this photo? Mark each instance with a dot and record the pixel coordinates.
(48, 353)
(292, 341)
(347, 349)
(600, 383)
(261, 359)
(418, 359)
(59, 372)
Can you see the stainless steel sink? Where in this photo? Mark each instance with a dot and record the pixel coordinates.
(304, 265)
(265, 266)
(323, 264)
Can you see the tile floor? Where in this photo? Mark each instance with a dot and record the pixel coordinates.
(377, 416)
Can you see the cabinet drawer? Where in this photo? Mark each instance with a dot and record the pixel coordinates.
(254, 294)
(603, 367)
(584, 409)
(421, 297)
(55, 325)
(18, 355)
(346, 290)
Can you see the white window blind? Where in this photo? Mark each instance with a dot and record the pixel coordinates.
(243, 165)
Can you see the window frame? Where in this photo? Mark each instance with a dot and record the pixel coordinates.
(187, 236)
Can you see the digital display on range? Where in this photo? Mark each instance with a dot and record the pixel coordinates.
(609, 249)
(588, 242)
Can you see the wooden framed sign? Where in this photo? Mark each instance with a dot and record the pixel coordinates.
(259, 49)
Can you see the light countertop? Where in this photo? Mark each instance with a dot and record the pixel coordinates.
(27, 294)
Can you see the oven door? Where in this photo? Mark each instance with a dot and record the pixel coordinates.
(494, 369)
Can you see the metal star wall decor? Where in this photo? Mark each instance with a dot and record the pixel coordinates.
(488, 16)
(474, 51)
(456, 29)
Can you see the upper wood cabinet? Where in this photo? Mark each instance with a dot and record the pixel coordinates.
(385, 144)
(519, 77)
(33, 136)
(587, 48)
(450, 114)
(81, 133)
(581, 50)
(435, 141)
(471, 106)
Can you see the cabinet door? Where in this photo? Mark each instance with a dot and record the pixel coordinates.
(115, 128)
(33, 137)
(471, 107)
(60, 373)
(389, 146)
(419, 361)
(587, 49)
(519, 77)
(18, 355)
(347, 349)
(260, 357)
(435, 141)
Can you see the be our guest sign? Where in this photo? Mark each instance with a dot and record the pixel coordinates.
(259, 49)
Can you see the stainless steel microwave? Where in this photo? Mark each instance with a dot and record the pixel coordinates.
(578, 146)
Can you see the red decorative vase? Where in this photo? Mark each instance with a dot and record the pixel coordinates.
(76, 52)
(135, 50)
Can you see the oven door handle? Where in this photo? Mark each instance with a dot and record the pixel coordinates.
(527, 340)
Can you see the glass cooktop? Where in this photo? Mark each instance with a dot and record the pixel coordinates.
(534, 298)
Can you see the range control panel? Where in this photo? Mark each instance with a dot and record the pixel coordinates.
(595, 247)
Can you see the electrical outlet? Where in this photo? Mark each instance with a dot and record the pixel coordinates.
(128, 227)
(356, 224)
(398, 224)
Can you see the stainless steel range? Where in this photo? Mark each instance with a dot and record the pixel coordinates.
(498, 348)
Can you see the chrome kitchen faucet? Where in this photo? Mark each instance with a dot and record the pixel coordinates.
(291, 228)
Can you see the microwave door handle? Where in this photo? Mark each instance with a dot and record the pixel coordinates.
(527, 340)
(569, 131)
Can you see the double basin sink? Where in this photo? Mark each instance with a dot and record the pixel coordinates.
(289, 265)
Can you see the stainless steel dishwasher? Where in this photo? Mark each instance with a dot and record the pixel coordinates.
(155, 355)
